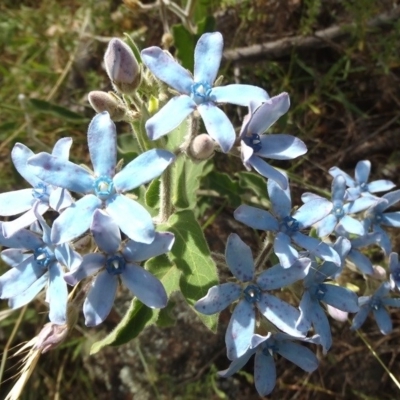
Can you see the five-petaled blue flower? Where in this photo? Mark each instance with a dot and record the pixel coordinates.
(197, 91)
(118, 261)
(104, 187)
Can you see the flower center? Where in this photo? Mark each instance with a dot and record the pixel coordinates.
(289, 225)
(103, 187)
(115, 265)
(43, 256)
(200, 92)
(252, 294)
(363, 187)
(40, 192)
(338, 212)
(253, 141)
(376, 304)
(319, 291)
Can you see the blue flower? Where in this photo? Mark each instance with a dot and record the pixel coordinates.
(278, 146)
(252, 295)
(42, 196)
(394, 267)
(104, 187)
(197, 92)
(35, 263)
(376, 303)
(118, 261)
(264, 348)
(288, 227)
(359, 186)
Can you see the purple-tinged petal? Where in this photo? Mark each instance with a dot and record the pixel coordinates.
(383, 320)
(162, 243)
(237, 364)
(75, 220)
(239, 258)
(312, 212)
(62, 173)
(281, 147)
(57, 294)
(144, 168)
(256, 218)
(391, 219)
(393, 262)
(362, 171)
(283, 249)
(298, 355)
(69, 258)
(278, 277)
(62, 147)
(361, 261)
(218, 298)
(336, 314)
(105, 232)
(281, 314)
(207, 57)
(102, 142)
(264, 169)
(280, 199)
(335, 171)
(340, 297)
(238, 94)
(132, 218)
(20, 154)
(29, 294)
(240, 330)
(360, 317)
(100, 298)
(91, 263)
(60, 199)
(165, 68)
(170, 116)
(145, 286)
(326, 226)
(218, 125)
(264, 373)
(352, 225)
(16, 202)
(381, 185)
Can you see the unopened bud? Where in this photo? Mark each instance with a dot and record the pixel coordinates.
(167, 40)
(122, 67)
(51, 336)
(202, 147)
(103, 101)
(379, 272)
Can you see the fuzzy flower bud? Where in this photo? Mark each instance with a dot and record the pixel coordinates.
(103, 101)
(122, 67)
(51, 336)
(202, 147)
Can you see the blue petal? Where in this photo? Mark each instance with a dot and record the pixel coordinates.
(29, 294)
(237, 364)
(306, 305)
(218, 298)
(338, 189)
(256, 218)
(169, 117)
(207, 57)
(165, 68)
(385, 242)
(67, 257)
(360, 317)
(281, 147)
(14, 257)
(280, 199)
(264, 373)
(60, 199)
(341, 298)
(162, 243)
(362, 171)
(326, 226)
(91, 263)
(62, 147)
(381, 185)
(239, 258)
(299, 355)
(335, 171)
(383, 320)
(102, 142)
(144, 168)
(145, 286)
(392, 198)
(391, 219)
(393, 262)
(352, 225)
(132, 218)
(312, 212)
(360, 204)
(218, 125)
(75, 220)
(278, 277)
(105, 232)
(267, 171)
(238, 94)
(16, 202)
(57, 294)
(362, 262)
(286, 253)
(20, 154)
(62, 173)
(23, 239)
(306, 197)
(391, 301)
(100, 299)
(240, 330)
(321, 326)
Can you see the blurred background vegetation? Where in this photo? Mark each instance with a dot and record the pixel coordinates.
(345, 96)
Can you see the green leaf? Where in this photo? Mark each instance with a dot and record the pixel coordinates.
(138, 315)
(153, 193)
(192, 257)
(58, 111)
(225, 186)
(185, 43)
(177, 136)
(256, 184)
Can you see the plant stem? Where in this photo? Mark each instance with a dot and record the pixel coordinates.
(166, 206)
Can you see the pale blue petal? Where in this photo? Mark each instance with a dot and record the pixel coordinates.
(239, 258)
(238, 94)
(335, 171)
(59, 172)
(165, 68)
(366, 240)
(145, 286)
(393, 262)
(100, 299)
(218, 125)
(312, 212)
(162, 243)
(385, 242)
(62, 147)
(361, 261)
(57, 294)
(381, 185)
(169, 117)
(326, 226)
(207, 57)
(256, 218)
(362, 171)
(281, 147)
(360, 204)
(306, 197)
(383, 320)
(264, 373)
(321, 326)
(60, 199)
(144, 168)
(67, 257)
(392, 198)
(286, 253)
(20, 154)
(91, 263)
(391, 301)
(75, 220)
(16, 202)
(391, 219)
(246, 152)
(14, 257)
(218, 298)
(303, 323)
(298, 355)
(280, 199)
(105, 232)
(23, 239)
(267, 171)
(102, 142)
(29, 294)
(360, 317)
(240, 330)
(237, 364)
(340, 297)
(352, 225)
(132, 218)
(338, 189)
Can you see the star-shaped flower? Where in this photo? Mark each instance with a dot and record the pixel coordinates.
(197, 91)
(104, 187)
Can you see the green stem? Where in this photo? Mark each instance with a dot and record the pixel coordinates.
(166, 206)
(265, 252)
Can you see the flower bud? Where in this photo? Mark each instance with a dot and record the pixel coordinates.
(103, 101)
(122, 67)
(51, 336)
(202, 147)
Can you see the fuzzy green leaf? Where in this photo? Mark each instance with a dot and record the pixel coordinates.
(153, 193)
